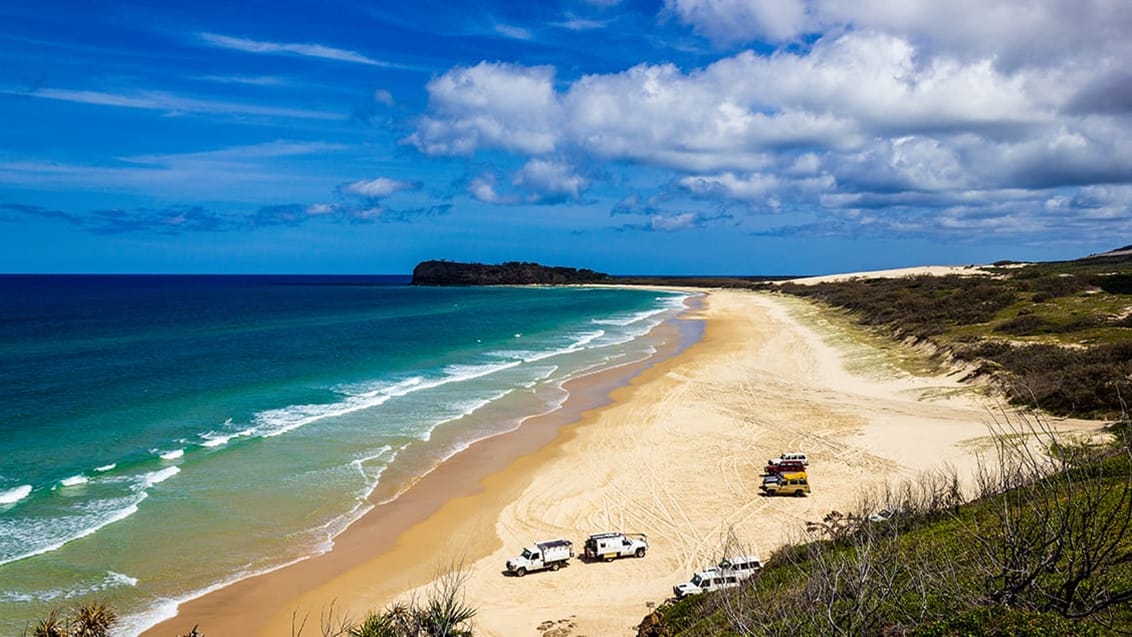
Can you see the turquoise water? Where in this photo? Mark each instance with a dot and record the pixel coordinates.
(160, 436)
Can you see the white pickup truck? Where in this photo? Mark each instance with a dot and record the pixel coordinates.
(606, 546)
(551, 554)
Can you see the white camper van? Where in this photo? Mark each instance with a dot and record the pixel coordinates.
(606, 546)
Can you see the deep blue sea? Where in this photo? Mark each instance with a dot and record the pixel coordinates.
(163, 435)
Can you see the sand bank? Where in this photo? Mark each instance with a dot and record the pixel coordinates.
(896, 273)
(677, 455)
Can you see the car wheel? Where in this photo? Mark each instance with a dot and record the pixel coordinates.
(640, 552)
(555, 566)
(799, 493)
(519, 572)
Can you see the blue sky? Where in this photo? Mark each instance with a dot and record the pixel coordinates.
(673, 137)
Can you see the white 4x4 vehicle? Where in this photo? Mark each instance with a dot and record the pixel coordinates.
(551, 554)
(606, 546)
(742, 566)
(791, 455)
(712, 579)
(730, 572)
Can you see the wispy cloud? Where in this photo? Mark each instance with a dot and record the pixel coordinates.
(170, 103)
(288, 48)
(513, 32)
(180, 220)
(250, 80)
(581, 24)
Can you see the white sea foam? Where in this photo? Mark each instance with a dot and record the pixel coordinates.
(121, 579)
(461, 409)
(87, 518)
(106, 467)
(74, 481)
(95, 522)
(157, 477)
(625, 321)
(586, 339)
(275, 422)
(12, 496)
(461, 373)
(172, 455)
(213, 439)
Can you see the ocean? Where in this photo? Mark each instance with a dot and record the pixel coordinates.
(161, 436)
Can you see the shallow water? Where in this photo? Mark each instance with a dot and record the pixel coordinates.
(162, 435)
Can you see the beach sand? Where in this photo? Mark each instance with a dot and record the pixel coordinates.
(676, 454)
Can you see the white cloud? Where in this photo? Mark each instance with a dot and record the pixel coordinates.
(383, 97)
(1013, 32)
(548, 180)
(378, 187)
(574, 23)
(673, 222)
(729, 21)
(305, 50)
(320, 209)
(171, 103)
(490, 105)
(513, 32)
(899, 116)
(482, 188)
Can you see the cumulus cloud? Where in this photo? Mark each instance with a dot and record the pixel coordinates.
(482, 188)
(1014, 32)
(490, 105)
(892, 117)
(550, 181)
(730, 21)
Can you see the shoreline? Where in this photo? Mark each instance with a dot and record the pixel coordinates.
(676, 453)
(240, 606)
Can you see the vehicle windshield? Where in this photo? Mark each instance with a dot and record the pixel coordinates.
(696, 579)
(527, 553)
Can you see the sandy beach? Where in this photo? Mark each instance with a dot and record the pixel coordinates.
(676, 454)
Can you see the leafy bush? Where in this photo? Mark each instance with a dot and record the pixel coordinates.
(92, 619)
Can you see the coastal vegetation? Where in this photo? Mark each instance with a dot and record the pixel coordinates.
(1045, 548)
(1058, 335)
(510, 273)
(92, 619)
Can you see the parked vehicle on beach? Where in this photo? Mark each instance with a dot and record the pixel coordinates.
(551, 554)
(786, 484)
(711, 579)
(730, 572)
(742, 566)
(783, 466)
(606, 546)
(790, 455)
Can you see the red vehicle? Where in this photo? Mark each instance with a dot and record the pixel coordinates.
(784, 466)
